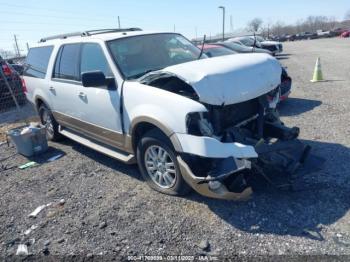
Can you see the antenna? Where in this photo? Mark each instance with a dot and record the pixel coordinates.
(201, 53)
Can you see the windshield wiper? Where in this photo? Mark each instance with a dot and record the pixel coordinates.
(144, 73)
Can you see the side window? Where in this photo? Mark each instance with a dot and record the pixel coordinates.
(37, 61)
(66, 65)
(93, 59)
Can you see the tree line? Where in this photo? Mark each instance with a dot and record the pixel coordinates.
(310, 24)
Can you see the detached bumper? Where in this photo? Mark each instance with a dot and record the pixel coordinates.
(211, 147)
(233, 173)
(206, 187)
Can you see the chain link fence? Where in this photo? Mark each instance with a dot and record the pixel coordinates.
(10, 80)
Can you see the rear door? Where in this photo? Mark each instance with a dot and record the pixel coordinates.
(65, 85)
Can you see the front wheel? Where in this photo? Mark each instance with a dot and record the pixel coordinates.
(158, 164)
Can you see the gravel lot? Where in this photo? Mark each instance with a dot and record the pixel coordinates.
(110, 211)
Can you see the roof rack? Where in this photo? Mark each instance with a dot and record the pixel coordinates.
(90, 32)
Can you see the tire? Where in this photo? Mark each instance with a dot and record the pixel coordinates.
(45, 114)
(149, 143)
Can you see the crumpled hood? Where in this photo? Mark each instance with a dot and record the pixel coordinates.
(229, 79)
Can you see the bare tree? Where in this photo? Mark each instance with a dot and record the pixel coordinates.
(347, 15)
(6, 54)
(255, 24)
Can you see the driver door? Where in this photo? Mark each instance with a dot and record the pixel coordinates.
(99, 106)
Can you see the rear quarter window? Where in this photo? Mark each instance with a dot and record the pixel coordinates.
(37, 61)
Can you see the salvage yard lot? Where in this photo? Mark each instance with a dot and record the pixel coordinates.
(109, 210)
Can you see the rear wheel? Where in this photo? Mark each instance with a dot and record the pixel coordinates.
(49, 122)
(157, 162)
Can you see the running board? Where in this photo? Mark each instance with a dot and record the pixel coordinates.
(125, 157)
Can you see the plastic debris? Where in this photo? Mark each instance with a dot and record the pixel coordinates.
(28, 231)
(22, 250)
(29, 164)
(26, 130)
(54, 158)
(38, 210)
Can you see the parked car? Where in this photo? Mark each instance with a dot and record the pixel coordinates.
(306, 36)
(239, 48)
(251, 41)
(148, 97)
(18, 68)
(246, 41)
(273, 46)
(213, 50)
(220, 50)
(345, 34)
(15, 82)
(339, 31)
(291, 37)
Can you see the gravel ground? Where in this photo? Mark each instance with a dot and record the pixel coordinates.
(108, 210)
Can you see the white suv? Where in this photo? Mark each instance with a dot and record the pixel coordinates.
(188, 121)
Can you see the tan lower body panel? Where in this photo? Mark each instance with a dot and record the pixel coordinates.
(122, 143)
(101, 134)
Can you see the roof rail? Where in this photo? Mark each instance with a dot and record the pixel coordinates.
(113, 30)
(62, 36)
(89, 33)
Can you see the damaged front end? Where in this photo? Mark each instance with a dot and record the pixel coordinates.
(280, 155)
(240, 135)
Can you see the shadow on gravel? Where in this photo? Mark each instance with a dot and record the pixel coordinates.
(319, 199)
(295, 106)
(130, 170)
(51, 152)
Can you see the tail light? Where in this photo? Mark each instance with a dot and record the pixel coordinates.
(6, 69)
(24, 87)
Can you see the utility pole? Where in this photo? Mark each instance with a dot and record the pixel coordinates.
(231, 24)
(118, 21)
(223, 22)
(16, 45)
(174, 28)
(196, 32)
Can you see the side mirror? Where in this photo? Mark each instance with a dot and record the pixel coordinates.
(93, 79)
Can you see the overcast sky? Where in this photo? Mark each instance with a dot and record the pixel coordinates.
(32, 19)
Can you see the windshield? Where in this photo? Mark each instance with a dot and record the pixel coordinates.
(218, 51)
(259, 38)
(247, 41)
(138, 55)
(237, 47)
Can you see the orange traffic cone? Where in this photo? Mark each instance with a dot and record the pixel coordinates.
(318, 76)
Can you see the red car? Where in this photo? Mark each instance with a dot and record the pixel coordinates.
(345, 34)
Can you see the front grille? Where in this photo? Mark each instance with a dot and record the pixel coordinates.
(230, 115)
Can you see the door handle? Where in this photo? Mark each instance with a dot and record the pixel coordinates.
(51, 88)
(82, 95)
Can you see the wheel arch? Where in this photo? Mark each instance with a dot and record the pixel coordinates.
(39, 100)
(141, 125)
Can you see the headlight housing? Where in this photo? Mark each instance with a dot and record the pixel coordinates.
(198, 124)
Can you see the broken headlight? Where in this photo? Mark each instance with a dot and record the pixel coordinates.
(274, 97)
(198, 124)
